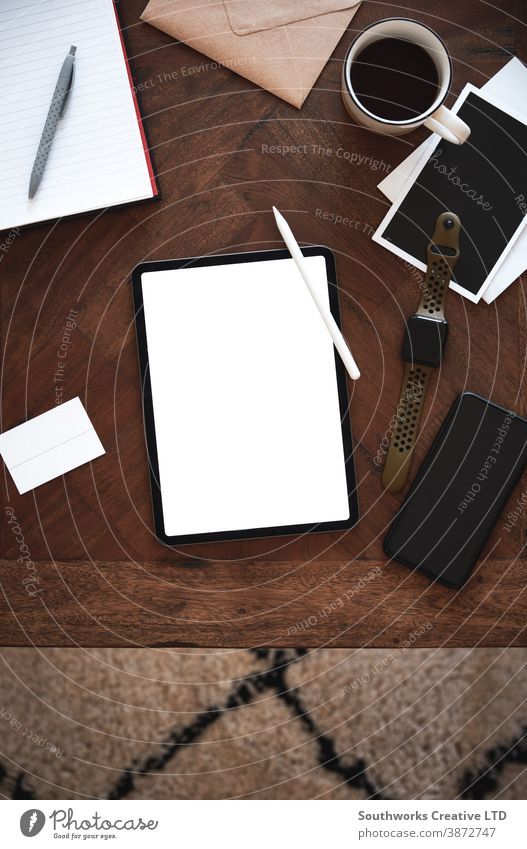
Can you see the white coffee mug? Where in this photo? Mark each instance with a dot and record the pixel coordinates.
(437, 117)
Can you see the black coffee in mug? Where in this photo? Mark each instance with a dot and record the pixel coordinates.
(395, 79)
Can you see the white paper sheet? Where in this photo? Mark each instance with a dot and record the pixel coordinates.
(509, 86)
(97, 157)
(245, 398)
(49, 445)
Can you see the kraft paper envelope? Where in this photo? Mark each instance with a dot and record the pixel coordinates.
(281, 45)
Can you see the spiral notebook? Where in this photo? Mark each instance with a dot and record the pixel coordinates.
(99, 157)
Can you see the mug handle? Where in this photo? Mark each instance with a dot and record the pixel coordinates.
(448, 125)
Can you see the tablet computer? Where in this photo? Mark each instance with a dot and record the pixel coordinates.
(245, 400)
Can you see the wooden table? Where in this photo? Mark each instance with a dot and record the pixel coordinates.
(220, 147)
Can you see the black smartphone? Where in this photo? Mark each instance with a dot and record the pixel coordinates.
(460, 490)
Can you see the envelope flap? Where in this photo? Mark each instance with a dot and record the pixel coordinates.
(247, 16)
(285, 60)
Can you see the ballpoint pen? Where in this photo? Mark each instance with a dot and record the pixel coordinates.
(324, 310)
(59, 100)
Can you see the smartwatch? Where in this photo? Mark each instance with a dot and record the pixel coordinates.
(423, 348)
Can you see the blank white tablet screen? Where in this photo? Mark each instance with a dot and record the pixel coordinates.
(245, 398)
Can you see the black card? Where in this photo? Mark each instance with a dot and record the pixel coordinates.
(484, 181)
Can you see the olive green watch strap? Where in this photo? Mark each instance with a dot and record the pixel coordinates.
(442, 254)
(406, 426)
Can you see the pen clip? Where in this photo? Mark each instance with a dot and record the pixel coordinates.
(70, 86)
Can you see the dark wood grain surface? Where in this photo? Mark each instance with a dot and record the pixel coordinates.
(219, 147)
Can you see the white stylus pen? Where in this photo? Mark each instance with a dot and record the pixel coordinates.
(323, 308)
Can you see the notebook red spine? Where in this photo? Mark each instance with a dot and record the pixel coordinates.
(155, 189)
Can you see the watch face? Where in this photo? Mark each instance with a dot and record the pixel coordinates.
(424, 340)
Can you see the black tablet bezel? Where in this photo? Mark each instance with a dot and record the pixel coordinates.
(148, 413)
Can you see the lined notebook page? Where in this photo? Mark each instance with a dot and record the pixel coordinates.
(97, 158)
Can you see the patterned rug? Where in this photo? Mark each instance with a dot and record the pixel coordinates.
(193, 724)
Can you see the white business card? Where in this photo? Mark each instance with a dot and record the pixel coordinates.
(49, 445)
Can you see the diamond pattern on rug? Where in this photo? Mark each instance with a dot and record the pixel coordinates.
(196, 723)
